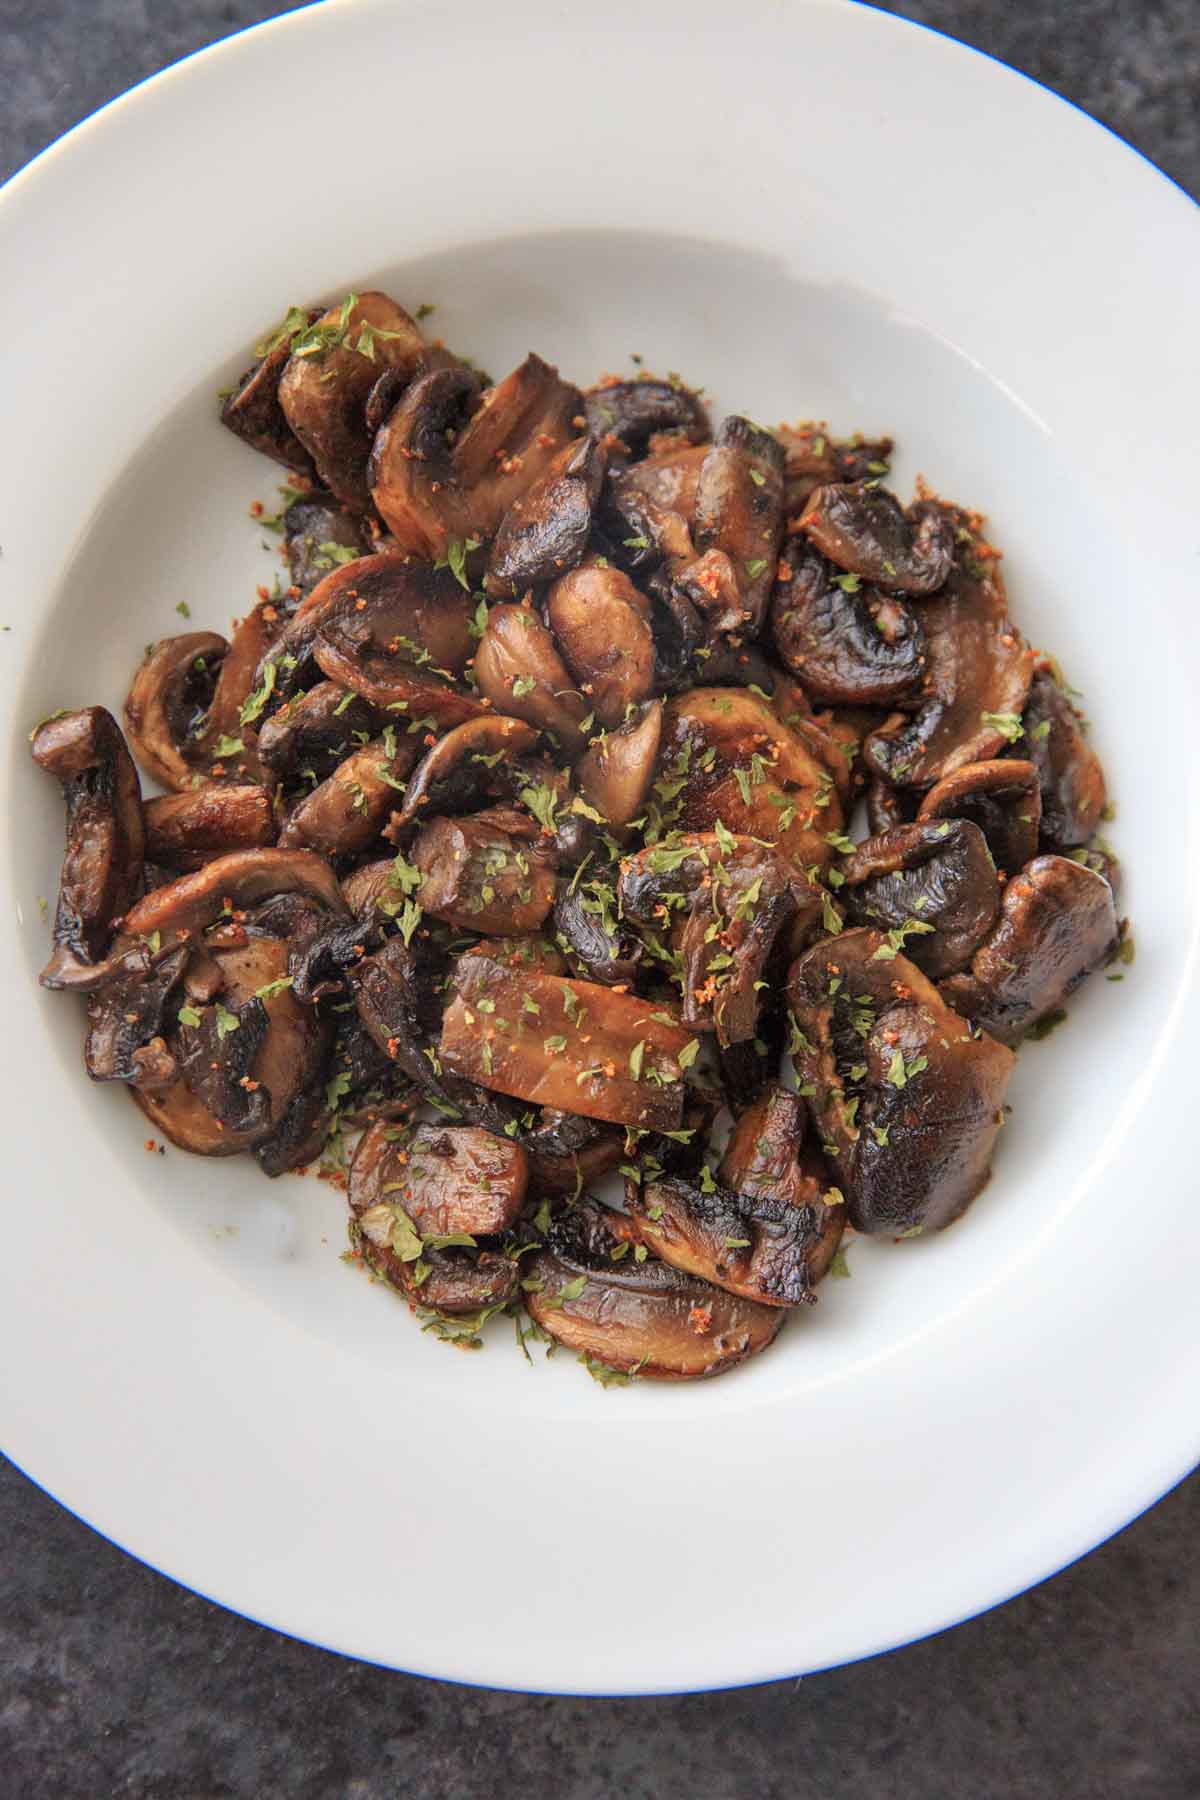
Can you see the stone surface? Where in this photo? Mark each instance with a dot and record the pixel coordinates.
(116, 1682)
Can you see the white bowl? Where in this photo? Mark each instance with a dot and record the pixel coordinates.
(815, 210)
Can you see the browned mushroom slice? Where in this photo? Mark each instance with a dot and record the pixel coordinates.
(433, 489)
(320, 535)
(479, 757)
(184, 831)
(601, 624)
(332, 368)
(846, 642)
(814, 459)
(345, 814)
(645, 1318)
(932, 887)
(572, 1045)
(1057, 923)
(636, 411)
(908, 1099)
(252, 410)
(1069, 771)
(231, 884)
(545, 531)
(226, 740)
(726, 755)
(614, 773)
(1002, 798)
(865, 530)
(454, 1282)
(585, 924)
(975, 684)
(313, 732)
(441, 1181)
(372, 891)
(887, 806)
(479, 874)
(102, 863)
(128, 1021)
(768, 1158)
(647, 494)
(737, 528)
(170, 694)
(519, 670)
(568, 1153)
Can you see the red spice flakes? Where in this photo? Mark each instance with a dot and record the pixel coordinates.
(256, 509)
(360, 606)
(270, 614)
(250, 1086)
(700, 1319)
(784, 571)
(544, 441)
(264, 593)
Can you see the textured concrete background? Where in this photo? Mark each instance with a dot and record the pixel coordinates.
(115, 1682)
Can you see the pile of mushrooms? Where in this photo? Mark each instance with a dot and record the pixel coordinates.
(511, 832)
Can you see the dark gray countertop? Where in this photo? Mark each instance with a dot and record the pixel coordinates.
(116, 1682)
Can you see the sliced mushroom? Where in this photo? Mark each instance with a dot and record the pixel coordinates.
(746, 1068)
(454, 1282)
(320, 535)
(318, 960)
(907, 1098)
(1001, 797)
(373, 890)
(887, 806)
(323, 390)
(519, 670)
(128, 1022)
(230, 884)
(102, 863)
(636, 411)
(568, 1153)
(737, 528)
(615, 771)
(864, 529)
(845, 642)
(252, 410)
(299, 1137)
(599, 948)
(546, 529)
(737, 762)
(601, 625)
(313, 732)
(447, 465)
(1057, 923)
(645, 1318)
(814, 459)
(1069, 771)
(932, 887)
(769, 1157)
(655, 500)
(184, 831)
(976, 678)
(346, 813)
(168, 700)
(475, 759)
(446, 1181)
(489, 872)
(573, 1045)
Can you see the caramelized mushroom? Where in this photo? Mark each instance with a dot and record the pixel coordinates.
(1069, 771)
(318, 536)
(737, 528)
(567, 1153)
(932, 887)
(888, 807)
(184, 831)
(445, 1180)
(907, 1098)
(845, 642)
(976, 678)
(814, 459)
(487, 873)
(650, 505)
(636, 411)
(231, 884)
(520, 671)
(252, 410)
(167, 700)
(546, 529)
(637, 1318)
(599, 948)
(477, 757)
(102, 864)
(323, 390)
(447, 465)
(313, 732)
(600, 622)
(1057, 923)
(614, 773)
(864, 529)
(346, 813)
(768, 1158)
(127, 1022)
(573, 1045)
(1002, 798)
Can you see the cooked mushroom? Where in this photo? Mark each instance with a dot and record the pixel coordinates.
(1002, 798)
(475, 759)
(636, 411)
(102, 863)
(615, 771)
(373, 891)
(319, 535)
(168, 700)
(230, 884)
(545, 531)
(128, 1022)
(313, 732)
(184, 831)
(520, 672)
(931, 887)
(814, 459)
(252, 410)
(643, 1318)
(446, 1180)
(346, 812)
(650, 505)
(864, 529)
(331, 370)
(489, 872)
(1069, 771)
(448, 464)
(976, 677)
(1057, 923)
(573, 1045)
(601, 625)
(845, 642)
(737, 762)
(568, 1153)
(769, 1157)
(907, 1098)
(736, 529)
(599, 948)
(455, 1282)
(888, 807)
